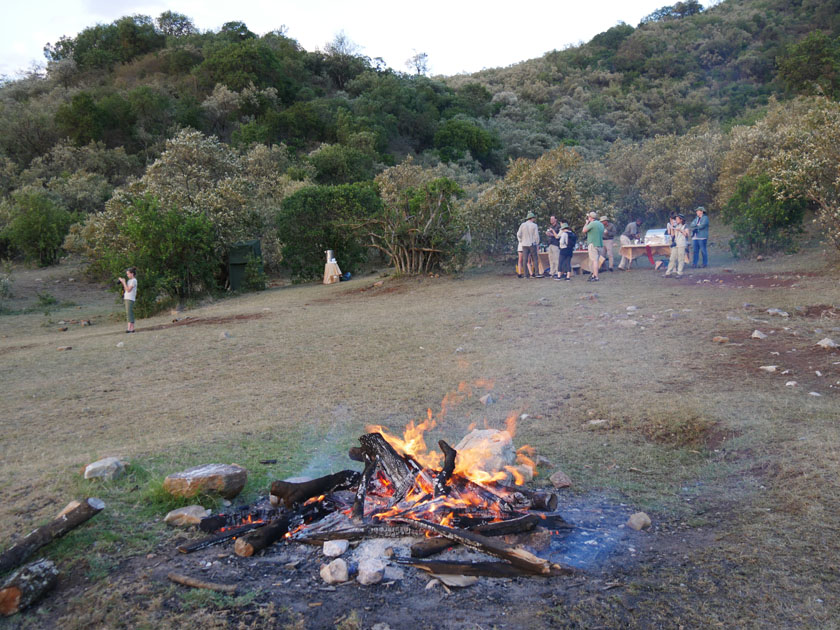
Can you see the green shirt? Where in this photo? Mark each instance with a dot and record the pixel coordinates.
(594, 233)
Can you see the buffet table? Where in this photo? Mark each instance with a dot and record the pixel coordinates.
(634, 251)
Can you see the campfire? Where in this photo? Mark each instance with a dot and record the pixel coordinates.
(406, 490)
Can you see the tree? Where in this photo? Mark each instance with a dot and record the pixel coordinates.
(318, 218)
(340, 164)
(419, 62)
(174, 24)
(812, 66)
(37, 226)
(457, 136)
(420, 227)
(761, 220)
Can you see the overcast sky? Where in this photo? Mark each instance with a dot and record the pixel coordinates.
(457, 35)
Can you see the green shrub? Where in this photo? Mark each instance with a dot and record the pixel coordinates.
(37, 226)
(318, 218)
(172, 250)
(255, 278)
(762, 222)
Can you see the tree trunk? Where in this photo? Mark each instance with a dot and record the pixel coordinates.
(34, 540)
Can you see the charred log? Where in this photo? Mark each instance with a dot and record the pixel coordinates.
(515, 555)
(246, 546)
(430, 546)
(209, 541)
(399, 470)
(442, 478)
(523, 498)
(26, 585)
(16, 554)
(291, 493)
(358, 511)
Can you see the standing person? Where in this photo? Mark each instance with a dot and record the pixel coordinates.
(529, 235)
(594, 231)
(568, 240)
(699, 237)
(631, 233)
(129, 296)
(679, 235)
(609, 237)
(553, 233)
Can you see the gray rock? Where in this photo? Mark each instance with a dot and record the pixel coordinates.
(224, 335)
(757, 334)
(827, 343)
(186, 516)
(487, 399)
(335, 572)
(224, 479)
(334, 548)
(107, 469)
(489, 449)
(777, 311)
(560, 480)
(371, 571)
(639, 521)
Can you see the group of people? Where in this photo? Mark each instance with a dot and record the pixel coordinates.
(600, 235)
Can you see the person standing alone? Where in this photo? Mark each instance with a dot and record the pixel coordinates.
(528, 235)
(699, 237)
(594, 231)
(129, 296)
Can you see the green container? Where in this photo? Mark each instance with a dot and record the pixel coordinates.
(238, 256)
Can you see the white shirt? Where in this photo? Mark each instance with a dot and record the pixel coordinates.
(131, 294)
(528, 233)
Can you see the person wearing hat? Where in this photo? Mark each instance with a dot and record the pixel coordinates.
(679, 235)
(631, 233)
(567, 248)
(609, 237)
(700, 236)
(553, 233)
(594, 231)
(528, 236)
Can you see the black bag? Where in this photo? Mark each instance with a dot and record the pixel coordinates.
(572, 241)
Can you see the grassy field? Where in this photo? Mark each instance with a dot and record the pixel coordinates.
(623, 387)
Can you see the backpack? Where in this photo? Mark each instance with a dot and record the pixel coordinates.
(572, 241)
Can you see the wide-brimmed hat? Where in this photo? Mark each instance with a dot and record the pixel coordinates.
(681, 216)
(531, 215)
(563, 226)
(603, 218)
(700, 209)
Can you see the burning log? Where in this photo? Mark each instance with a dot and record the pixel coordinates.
(358, 511)
(26, 586)
(37, 538)
(449, 455)
(395, 466)
(430, 546)
(515, 555)
(523, 498)
(291, 493)
(339, 526)
(247, 546)
(186, 580)
(218, 538)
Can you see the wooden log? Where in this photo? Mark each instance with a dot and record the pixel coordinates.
(357, 512)
(442, 478)
(517, 556)
(218, 538)
(430, 546)
(26, 585)
(186, 580)
(525, 498)
(16, 554)
(481, 569)
(291, 493)
(396, 468)
(246, 546)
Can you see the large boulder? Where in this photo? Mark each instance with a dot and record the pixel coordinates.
(224, 479)
(486, 449)
(106, 469)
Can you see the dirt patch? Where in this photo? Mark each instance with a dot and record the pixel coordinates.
(370, 290)
(821, 311)
(206, 321)
(811, 367)
(748, 280)
(10, 349)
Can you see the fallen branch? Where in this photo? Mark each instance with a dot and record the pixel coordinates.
(26, 585)
(16, 554)
(196, 583)
(430, 546)
(292, 493)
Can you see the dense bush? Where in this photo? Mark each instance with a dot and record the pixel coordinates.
(762, 222)
(37, 226)
(317, 218)
(173, 253)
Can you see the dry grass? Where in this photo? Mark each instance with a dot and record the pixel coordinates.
(742, 467)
